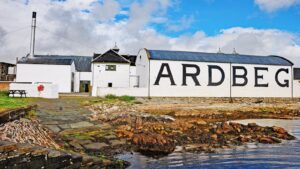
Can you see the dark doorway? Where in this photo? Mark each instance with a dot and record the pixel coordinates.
(84, 86)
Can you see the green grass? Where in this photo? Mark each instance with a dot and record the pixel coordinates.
(121, 98)
(7, 102)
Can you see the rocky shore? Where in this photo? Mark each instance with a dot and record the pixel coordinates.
(93, 131)
(154, 128)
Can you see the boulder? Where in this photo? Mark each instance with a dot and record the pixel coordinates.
(95, 146)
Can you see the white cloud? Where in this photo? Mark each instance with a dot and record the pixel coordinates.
(106, 11)
(184, 22)
(274, 5)
(64, 29)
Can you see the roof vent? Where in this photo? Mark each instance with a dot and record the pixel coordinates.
(234, 52)
(116, 48)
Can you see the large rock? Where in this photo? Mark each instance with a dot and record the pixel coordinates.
(81, 124)
(95, 146)
(117, 142)
(53, 128)
(153, 144)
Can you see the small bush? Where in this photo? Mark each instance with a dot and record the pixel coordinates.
(121, 98)
(111, 96)
(127, 98)
(3, 93)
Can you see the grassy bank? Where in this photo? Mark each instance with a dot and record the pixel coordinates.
(7, 102)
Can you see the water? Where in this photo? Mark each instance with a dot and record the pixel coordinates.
(284, 155)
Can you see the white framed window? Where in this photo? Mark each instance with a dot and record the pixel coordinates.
(110, 68)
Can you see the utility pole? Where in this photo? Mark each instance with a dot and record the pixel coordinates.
(32, 39)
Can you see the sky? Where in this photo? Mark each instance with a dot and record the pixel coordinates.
(84, 27)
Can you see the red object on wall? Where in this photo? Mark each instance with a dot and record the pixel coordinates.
(40, 88)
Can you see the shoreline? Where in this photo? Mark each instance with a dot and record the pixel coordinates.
(100, 129)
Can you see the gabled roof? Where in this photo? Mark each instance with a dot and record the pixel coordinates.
(82, 63)
(297, 73)
(217, 57)
(131, 58)
(46, 61)
(110, 56)
(9, 64)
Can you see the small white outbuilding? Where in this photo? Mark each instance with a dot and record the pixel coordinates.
(70, 73)
(45, 70)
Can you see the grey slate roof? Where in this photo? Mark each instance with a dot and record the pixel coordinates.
(131, 58)
(217, 57)
(48, 61)
(82, 63)
(5, 63)
(297, 73)
(112, 57)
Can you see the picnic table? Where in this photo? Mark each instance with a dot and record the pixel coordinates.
(20, 92)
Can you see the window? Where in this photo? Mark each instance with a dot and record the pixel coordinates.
(110, 68)
(109, 84)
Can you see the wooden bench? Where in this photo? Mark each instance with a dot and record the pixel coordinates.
(20, 92)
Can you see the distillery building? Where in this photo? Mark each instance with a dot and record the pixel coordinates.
(163, 73)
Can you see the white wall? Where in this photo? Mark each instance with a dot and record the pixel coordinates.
(77, 82)
(50, 90)
(56, 74)
(85, 76)
(274, 90)
(191, 90)
(119, 78)
(296, 88)
(81, 76)
(132, 70)
(137, 92)
(142, 68)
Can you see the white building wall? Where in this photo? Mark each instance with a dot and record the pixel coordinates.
(296, 89)
(136, 92)
(191, 90)
(132, 70)
(77, 82)
(81, 76)
(56, 74)
(85, 76)
(142, 68)
(101, 77)
(165, 89)
(50, 90)
(273, 90)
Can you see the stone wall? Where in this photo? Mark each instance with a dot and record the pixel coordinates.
(24, 155)
(15, 114)
(21, 156)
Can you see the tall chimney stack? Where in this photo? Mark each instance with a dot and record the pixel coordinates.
(32, 39)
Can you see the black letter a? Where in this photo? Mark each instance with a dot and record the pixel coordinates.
(168, 75)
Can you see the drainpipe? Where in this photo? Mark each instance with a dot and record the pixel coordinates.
(292, 79)
(230, 89)
(149, 81)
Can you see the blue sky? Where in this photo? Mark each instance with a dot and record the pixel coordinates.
(84, 27)
(212, 16)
